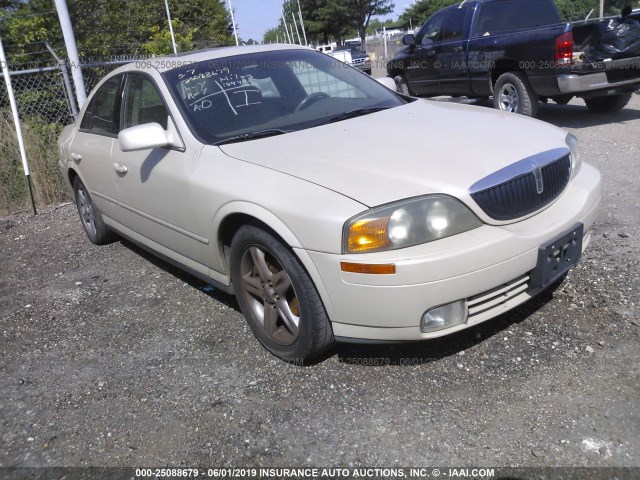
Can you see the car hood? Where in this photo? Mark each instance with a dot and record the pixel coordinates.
(420, 148)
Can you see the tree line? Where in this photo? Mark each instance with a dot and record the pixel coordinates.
(326, 20)
(110, 28)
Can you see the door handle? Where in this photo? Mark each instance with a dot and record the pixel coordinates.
(430, 53)
(76, 157)
(457, 49)
(120, 168)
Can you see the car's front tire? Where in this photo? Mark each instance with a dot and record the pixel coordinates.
(90, 216)
(277, 297)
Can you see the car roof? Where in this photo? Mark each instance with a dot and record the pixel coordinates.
(169, 62)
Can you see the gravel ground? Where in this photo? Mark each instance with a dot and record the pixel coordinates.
(110, 357)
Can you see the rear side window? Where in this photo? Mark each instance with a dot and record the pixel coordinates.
(514, 15)
(102, 114)
(456, 24)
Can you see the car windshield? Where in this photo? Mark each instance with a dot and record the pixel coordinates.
(269, 93)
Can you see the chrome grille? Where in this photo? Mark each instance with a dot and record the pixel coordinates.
(521, 195)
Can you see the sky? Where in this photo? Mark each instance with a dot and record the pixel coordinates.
(254, 17)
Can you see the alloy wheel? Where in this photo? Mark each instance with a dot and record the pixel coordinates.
(268, 290)
(509, 98)
(86, 212)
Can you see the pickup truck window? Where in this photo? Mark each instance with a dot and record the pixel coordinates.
(515, 15)
(455, 26)
(432, 30)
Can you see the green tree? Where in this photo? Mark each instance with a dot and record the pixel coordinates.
(419, 12)
(376, 24)
(109, 28)
(362, 11)
(273, 35)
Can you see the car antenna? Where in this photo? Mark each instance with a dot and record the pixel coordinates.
(463, 2)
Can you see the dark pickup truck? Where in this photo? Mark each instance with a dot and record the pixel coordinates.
(519, 52)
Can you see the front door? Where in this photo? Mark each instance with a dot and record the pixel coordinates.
(423, 72)
(451, 53)
(155, 182)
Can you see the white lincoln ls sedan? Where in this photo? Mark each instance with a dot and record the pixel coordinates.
(334, 208)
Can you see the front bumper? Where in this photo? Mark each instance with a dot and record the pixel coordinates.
(489, 267)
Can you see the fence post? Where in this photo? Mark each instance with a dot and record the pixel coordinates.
(386, 48)
(16, 121)
(64, 69)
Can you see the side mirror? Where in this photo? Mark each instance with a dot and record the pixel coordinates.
(409, 40)
(143, 137)
(387, 82)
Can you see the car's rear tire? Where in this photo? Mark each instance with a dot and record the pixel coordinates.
(401, 84)
(512, 93)
(277, 297)
(609, 104)
(90, 216)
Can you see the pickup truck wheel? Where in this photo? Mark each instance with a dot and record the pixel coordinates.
(401, 84)
(512, 93)
(277, 297)
(90, 216)
(610, 104)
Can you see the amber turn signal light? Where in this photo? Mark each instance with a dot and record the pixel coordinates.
(371, 269)
(369, 234)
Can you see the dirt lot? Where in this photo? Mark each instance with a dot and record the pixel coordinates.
(112, 358)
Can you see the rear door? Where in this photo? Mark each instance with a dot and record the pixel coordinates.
(92, 144)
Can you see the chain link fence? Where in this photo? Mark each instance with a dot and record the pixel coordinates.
(381, 50)
(44, 107)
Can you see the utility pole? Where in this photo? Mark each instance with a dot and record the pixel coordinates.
(233, 22)
(72, 51)
(601, 9)
(304, 32)
(286, 29)
(173, 38)
(16, 121)
(297, 32)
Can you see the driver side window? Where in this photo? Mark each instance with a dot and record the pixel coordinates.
(142, 102)
(432, 31)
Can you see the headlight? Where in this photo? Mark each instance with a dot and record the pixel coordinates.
(576, 161)
(407, 223)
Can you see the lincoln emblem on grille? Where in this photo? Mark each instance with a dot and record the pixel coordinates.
(537, 174)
